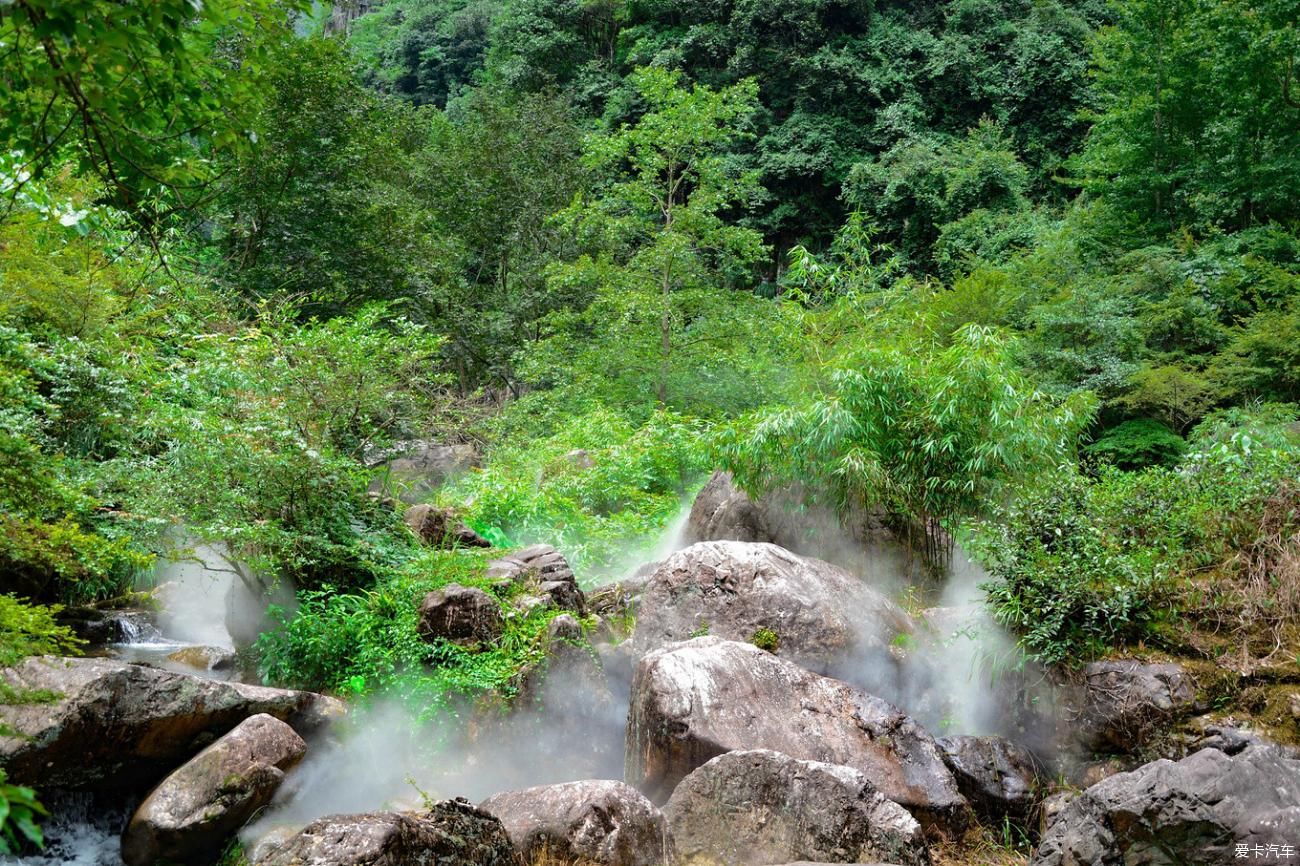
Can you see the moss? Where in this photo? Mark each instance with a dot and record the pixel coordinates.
(766, 639)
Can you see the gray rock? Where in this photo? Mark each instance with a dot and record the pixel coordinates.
(451, 833)
(415, 469)
(723, 512)
(761, 806)
(821, 614)
(562, 594)
(119, 726)
(545, 572)
(999, 778)
(1193, 812)
(1120, 705)
(693, 701)
(461, 614)
(188, 817)
(440, 527)
(596, 821)
(111, 626)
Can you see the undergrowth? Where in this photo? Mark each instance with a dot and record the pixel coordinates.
(1087, 564)
(602, 489)
(364, 643)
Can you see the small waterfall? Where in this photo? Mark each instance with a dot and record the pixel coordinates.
(79, 832)
(134, 627)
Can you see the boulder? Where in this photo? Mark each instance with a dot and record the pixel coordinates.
(413, 470)
(723, 512)
(820, 614)
(188, 817)
(1120, 705)
(204, 658)
(546, 573)
(760, 806)
(854, 538)
(594, 822)
(440, 527)
(693, 701)
(461, 614)
(999, 778)
(450, 833)
(1199, 811)
(121, 726)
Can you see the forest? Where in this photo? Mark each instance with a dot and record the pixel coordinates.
(1005, 289)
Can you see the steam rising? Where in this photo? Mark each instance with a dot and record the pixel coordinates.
(571, 725)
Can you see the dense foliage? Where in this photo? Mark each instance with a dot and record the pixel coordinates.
(1024, 273)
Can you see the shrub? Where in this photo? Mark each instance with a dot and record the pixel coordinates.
(19, 812)
(766, 639)
(365, 643)
(1060, 583)
(31, 630)
(1138, 443)
(1086, 563)
(602, 489)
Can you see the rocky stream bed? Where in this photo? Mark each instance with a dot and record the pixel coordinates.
(766, 708)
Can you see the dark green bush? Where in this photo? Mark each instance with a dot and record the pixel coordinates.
(1138, 443)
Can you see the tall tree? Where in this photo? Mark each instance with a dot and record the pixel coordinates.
(138, 91)
(1199, 123)
(658, 239)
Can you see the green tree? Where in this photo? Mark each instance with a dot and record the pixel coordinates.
(659, 244)
(1197, 124)
(493, 204)
(139, 92)
(428, 51)
(931, 437)
(325, 208)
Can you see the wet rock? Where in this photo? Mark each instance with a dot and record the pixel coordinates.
(188, 817)
(819, 613)
(440, 527)
(562, 594)
(545, 571)
(413, 470)
(762, 806)
(1228, 739)
(462, 614)
(1120, 705)
(999, 778)
(1193, 812)
(571, 672)
(204, 658)
(693, 701)
(99, 627)
(451, 833)
(119, 726)
(723, 512)
(594, 822)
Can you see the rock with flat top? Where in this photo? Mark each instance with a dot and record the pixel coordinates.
(1199, 811)
(111, 725)
(460, 614)
(450, 833)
